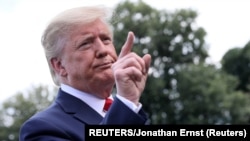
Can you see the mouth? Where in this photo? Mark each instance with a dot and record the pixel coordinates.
(104, 65)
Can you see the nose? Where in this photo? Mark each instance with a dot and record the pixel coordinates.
(101, 49)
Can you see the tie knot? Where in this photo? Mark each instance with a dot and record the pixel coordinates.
(107, 104)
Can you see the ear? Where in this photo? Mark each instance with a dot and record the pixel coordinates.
(58, 67)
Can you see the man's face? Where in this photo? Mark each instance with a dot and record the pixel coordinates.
(88, 58)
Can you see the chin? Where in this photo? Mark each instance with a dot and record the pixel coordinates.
(106, 76)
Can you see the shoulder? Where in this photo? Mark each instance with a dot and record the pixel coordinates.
(52, 124)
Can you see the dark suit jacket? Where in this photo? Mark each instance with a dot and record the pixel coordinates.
(66, 118)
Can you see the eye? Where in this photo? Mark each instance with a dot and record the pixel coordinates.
(106, 40)
(86, 43)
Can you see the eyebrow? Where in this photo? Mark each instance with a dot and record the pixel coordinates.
(88, 36)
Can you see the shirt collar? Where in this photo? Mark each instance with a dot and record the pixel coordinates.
(93, 101)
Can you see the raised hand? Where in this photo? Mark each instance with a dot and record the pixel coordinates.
(131, 71)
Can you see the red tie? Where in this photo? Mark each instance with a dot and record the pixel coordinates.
(107, 104)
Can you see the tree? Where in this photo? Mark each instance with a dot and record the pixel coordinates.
(172, 39)
(236, 62)
(176, 88)
(206, 95)
(22, 106)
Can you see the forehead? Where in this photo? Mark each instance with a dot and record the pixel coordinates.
(82, 32)
(94, 27)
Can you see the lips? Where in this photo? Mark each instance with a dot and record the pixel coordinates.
(104, 65)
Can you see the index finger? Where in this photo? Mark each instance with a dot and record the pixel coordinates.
(126, 48)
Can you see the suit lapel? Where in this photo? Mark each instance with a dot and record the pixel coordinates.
(77, 108)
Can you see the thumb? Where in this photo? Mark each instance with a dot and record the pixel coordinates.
(147, 60)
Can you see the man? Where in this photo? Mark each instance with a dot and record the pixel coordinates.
(79, 48)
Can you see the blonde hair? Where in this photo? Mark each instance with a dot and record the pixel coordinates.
(56, 34)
